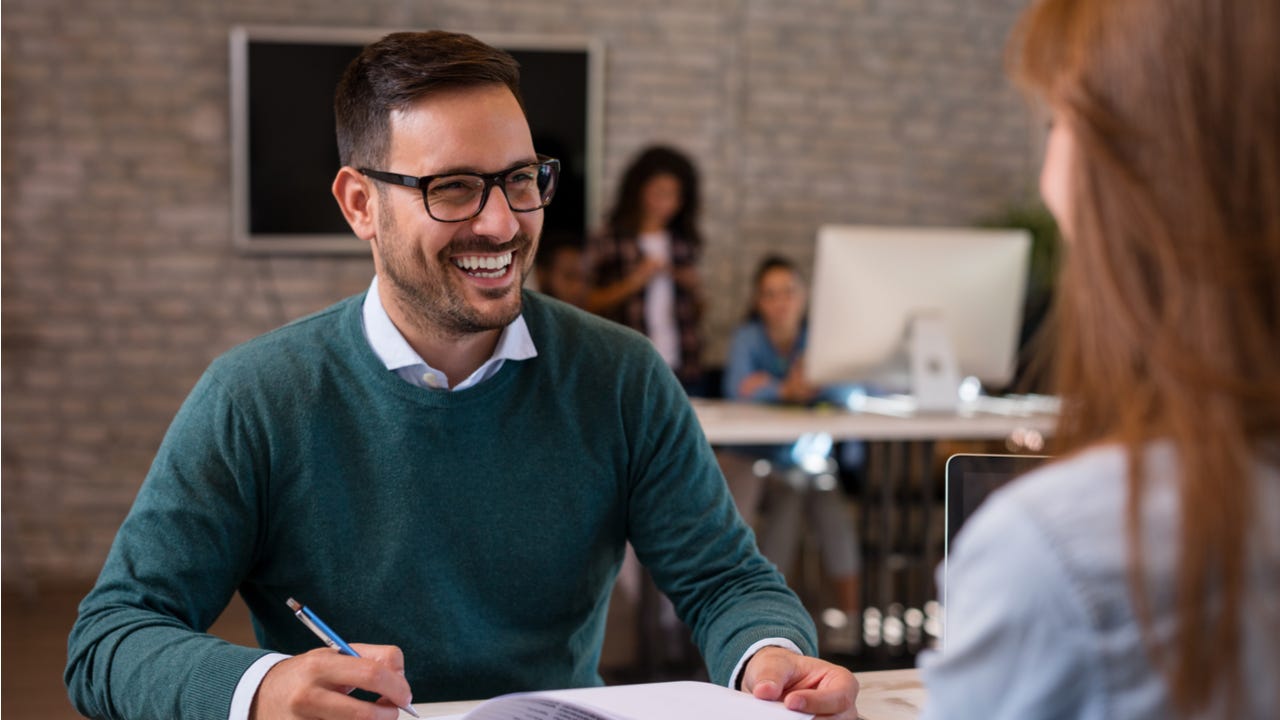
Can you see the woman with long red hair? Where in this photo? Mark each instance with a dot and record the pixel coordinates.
(1139, 576)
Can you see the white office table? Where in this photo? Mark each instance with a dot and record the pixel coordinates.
(883, 695)
(738, 423)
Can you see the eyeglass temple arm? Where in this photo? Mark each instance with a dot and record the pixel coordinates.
(397, 178)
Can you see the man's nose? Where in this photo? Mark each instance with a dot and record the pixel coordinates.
(496, 218)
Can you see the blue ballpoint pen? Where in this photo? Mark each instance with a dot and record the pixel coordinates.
(330, 638)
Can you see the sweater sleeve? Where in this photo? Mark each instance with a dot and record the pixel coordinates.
(686, 531)
(139, 647)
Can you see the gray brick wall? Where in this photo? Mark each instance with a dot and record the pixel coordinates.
(120, 283)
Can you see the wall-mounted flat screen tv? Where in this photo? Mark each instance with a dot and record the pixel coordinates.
(285, 155)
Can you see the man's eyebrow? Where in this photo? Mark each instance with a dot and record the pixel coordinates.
(472, 170)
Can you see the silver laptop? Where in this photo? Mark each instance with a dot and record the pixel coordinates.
(970, 478)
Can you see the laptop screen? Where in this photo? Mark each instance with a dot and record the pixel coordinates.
(970, 478)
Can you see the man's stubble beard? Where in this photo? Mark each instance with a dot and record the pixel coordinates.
(434, 300)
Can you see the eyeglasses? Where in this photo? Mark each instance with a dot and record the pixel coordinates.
(457, 197)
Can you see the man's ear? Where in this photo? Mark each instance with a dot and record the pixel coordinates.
(354, 193)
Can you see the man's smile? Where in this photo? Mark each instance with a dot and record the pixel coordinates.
(484, 266)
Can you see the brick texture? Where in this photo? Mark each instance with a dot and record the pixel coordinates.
(120, 282)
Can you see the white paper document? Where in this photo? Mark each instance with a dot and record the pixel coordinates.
(685, 700)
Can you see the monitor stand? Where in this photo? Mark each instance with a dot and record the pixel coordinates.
(934, 372)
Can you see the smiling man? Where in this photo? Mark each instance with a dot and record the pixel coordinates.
(447, 468)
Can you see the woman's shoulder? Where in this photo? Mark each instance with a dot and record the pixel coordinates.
(1055, 500)
(1075, 509)
(1086, 488)
(1098, 468)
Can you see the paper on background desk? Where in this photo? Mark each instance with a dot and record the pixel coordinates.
(684, 700)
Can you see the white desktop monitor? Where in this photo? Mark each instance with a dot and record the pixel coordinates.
(916, 308)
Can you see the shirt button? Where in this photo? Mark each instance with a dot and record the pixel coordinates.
(432, 380)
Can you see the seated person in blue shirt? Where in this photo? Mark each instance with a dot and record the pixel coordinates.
(1138, 576)
(766, 364)
(445, 468)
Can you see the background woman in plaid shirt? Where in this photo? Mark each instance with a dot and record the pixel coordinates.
(645, 260)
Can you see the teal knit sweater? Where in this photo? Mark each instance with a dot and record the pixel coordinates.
(479, 530)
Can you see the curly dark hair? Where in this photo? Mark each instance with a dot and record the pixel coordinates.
(624, 220)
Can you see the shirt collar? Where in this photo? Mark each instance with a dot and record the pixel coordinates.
(515, 343)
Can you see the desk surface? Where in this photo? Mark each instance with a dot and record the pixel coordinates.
(884, 695)
(739, 423)
(890, 695)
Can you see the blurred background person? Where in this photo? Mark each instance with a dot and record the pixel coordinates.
(644, 262)
(560, 269)
(1139, 575)
(644, 275)
(766, 364)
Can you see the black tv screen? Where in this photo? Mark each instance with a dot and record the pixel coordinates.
(286, 154)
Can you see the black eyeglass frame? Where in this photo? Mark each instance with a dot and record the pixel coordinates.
(490, 180)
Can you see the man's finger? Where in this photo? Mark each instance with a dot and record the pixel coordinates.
(315, 684)
(832, 695)
(388, 655)
(339, 672)
(767, 690)
(379, 679)
(822, 701)
(768, 673)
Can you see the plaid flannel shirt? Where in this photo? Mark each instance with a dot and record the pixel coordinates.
(613, 258)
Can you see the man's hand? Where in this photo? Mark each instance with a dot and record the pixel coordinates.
(315, 685)
(803, 684)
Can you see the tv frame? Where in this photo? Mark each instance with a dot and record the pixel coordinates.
(242, 36)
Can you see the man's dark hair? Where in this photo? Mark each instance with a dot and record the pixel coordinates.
(399, 69)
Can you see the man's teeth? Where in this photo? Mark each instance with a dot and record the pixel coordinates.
(484, 265)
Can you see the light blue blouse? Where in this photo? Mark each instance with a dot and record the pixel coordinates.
(750, 352)
(1040, 622)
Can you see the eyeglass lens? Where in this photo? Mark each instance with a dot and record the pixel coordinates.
(457, 197)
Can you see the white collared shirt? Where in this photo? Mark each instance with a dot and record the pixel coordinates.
(398, 356)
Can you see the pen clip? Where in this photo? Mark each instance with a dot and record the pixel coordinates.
(319, 628)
